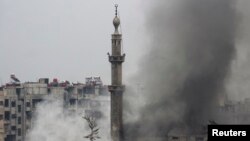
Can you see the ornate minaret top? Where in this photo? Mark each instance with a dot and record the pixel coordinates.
(116, 21)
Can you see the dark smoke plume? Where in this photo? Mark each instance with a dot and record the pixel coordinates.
(192, 47)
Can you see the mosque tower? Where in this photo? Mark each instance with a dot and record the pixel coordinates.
(116, 88)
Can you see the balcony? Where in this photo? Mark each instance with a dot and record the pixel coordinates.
(116, 59)
(115, 88)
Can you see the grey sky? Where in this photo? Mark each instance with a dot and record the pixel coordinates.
(65, 39)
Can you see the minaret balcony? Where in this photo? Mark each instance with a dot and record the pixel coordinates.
(116, 88)
(117, 59)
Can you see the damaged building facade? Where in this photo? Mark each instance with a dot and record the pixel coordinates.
(18, 102)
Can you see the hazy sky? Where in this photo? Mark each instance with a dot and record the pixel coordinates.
(66, 39)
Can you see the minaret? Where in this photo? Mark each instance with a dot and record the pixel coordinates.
(116, 88)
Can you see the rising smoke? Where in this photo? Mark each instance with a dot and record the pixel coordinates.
(184, 72)
(238, 85)
(54, 122)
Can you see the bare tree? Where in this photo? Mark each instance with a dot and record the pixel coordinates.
(93, 126)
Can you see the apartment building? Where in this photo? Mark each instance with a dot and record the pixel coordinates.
(18, 102)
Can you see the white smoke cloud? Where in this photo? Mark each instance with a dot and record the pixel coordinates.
(52, 122)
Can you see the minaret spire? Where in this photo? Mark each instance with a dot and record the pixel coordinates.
(116, 6)
(116, 88)
(116, 21)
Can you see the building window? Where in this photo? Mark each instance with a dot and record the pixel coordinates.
(19, 108)
(28, 115)
(13, 128)
(1, 117)
(35, 102)
(19, 120)
(6, 102)
(13, 103)
(19, 132)
(7, 115)
(18, 91)
(72, 101)
(13, 116)
(48, 90)
(1, 103)
(79, 91)
(28, 104)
